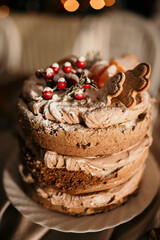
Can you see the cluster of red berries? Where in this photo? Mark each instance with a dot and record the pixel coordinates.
(61, 83)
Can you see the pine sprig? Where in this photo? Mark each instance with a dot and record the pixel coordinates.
(82, 81)
(92, 57)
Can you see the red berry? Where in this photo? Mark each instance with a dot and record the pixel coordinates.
(61, 84)
(79, 95)
(85, 86)
(47, 93)
(39, 73)
(81, 62)
(49, 73)
(55, 67)
(67, 67)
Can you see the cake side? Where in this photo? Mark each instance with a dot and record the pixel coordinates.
(90, 203)
(78, 175)
(78, 140)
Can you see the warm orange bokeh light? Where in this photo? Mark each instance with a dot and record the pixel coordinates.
(97, 4)
(109, 3)
(4, 11)
(71, 5)
(63, 1)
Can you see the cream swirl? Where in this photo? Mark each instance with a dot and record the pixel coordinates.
(90, 111)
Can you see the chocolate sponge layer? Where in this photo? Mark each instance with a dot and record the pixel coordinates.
(78, 181)
(78, 140)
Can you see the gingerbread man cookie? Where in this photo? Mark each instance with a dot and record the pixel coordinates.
(113, 87)
(137, 81)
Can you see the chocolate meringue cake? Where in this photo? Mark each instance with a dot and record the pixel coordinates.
(85, 133)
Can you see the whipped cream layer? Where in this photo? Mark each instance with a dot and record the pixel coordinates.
(91, 111)
(101, 166)
(92, 200)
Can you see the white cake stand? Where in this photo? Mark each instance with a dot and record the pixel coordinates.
(94, 223)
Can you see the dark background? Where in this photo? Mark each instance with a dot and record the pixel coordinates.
(144, 7)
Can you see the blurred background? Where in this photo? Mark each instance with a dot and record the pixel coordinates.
(36, 33)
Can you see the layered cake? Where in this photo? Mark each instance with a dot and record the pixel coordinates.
(85, 133)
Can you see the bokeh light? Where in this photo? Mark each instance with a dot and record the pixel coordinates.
(71, 5)
(109, 3)
(97, 4)
(63, 1)
(4, 11)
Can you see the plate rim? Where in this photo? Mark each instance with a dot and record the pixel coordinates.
(7, 180)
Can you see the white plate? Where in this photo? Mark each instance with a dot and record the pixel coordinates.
(94, 223)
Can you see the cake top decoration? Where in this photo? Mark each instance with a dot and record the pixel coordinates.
(137, 81)
(113, 87)
(75, 78)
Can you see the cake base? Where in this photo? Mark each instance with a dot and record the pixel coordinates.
(73, 211)
(86, 204)
(65, 223)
